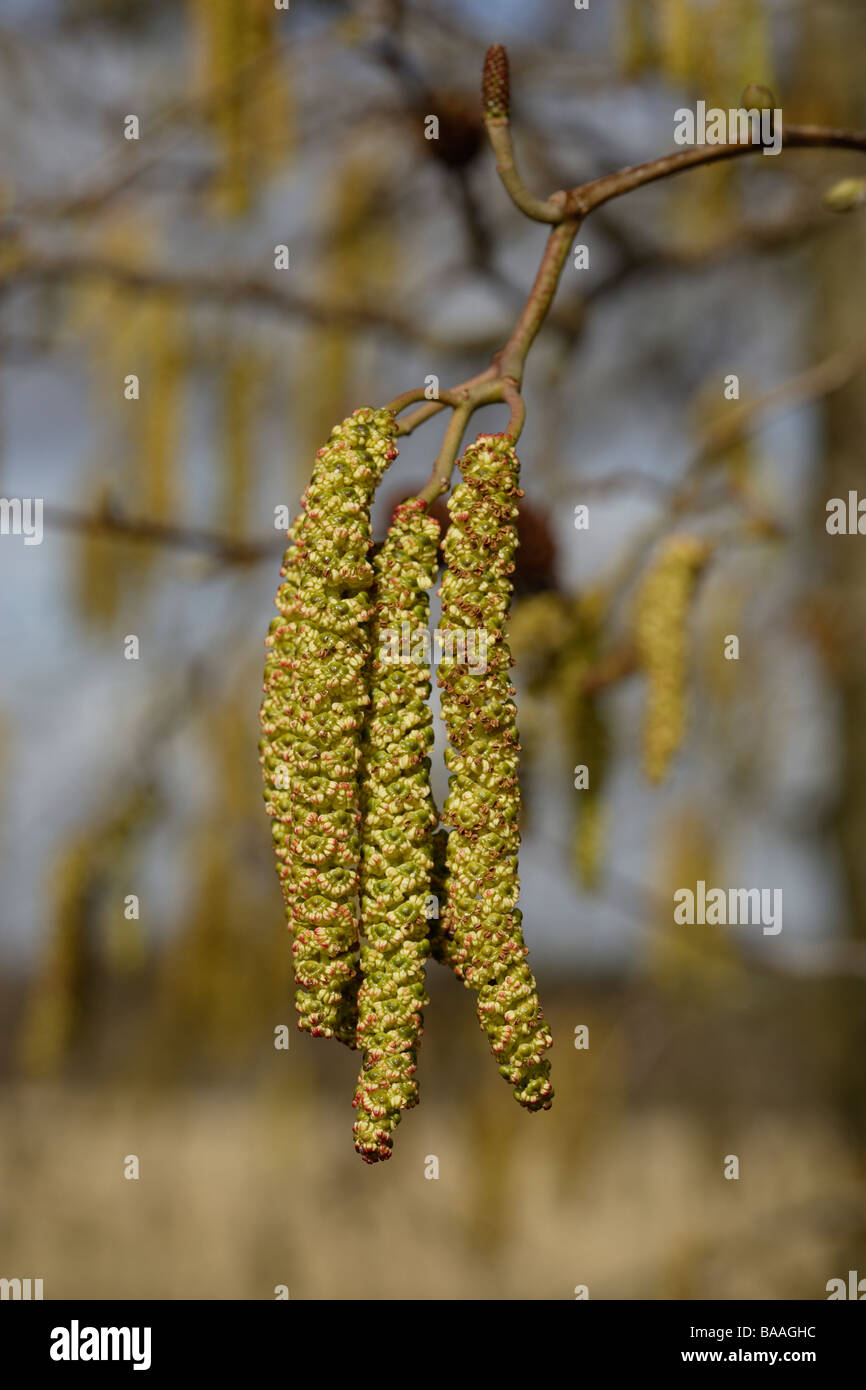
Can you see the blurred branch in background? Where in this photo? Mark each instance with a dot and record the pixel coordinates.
(110, 521)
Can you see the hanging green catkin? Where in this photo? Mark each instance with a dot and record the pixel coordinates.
(660, 636)
(398, 823)
(481, 920)
(312, 715)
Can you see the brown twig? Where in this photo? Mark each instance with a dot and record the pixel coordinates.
(610, 669)
(683, 496)
(134, 164)
(517, 409)
(218, 287)
(444, 465)
(816, 381)
(582, 200)
(565, 210)
(511, 360)
(431, 408)
(111, 522)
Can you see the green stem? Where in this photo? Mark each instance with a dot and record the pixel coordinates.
(457, 395)
(517, 405)
(444, 465)
(443, 398)
(539, 209)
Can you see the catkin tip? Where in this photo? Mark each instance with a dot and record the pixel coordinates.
(495, 83)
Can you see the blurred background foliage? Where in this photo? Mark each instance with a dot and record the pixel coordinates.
(154, 1033)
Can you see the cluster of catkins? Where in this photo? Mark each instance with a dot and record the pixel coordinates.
(346, 737)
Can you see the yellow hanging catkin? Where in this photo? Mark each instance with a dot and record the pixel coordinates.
(241, 78)
(240, 398)
(398, 822)
(635, 45)
(114, 322)
(481, 921)
(360, 262)
(87, 936)
(588, 738)
(584, 726)
(678, 39)
(691, 966)
(312, 715)
(161, 408)
(661, 638)
(55, 1014)
(556, 641)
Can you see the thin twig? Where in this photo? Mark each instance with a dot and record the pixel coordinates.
(513, 356)
(587, 196)
(496, 103)
(820, 379)
(444, 465)
(565, 210)
(517, 407)
(134, 164)
(431, 408)
(111, 522)
(30, 267)
(539, 209)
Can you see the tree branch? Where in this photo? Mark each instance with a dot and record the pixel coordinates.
(513, 356)
(582, 200)
(27, 266)
(565, 210)
(111, 522)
